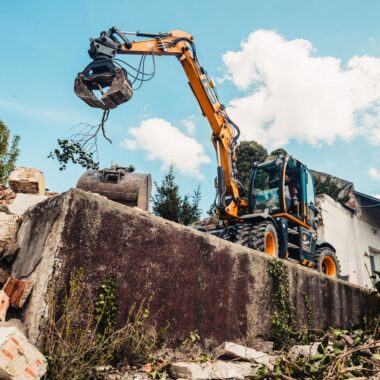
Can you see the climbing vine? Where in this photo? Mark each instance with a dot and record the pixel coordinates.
(309, 315)
(106, 307)
(284, 332)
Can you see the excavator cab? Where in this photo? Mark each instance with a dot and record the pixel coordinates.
(283, 187)
(282, 208)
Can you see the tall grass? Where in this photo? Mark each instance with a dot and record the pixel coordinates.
(76, 346)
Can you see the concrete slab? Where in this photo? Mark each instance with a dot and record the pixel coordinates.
(23, 201)
(238, 351)
(196, 281)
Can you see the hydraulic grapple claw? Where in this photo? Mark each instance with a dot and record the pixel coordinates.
(110, 80)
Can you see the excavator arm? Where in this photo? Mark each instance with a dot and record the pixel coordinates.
(103, 72)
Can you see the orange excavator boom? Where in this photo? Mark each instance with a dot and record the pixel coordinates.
(104, 71)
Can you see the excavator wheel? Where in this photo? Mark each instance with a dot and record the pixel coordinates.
(327, 262)
(261, 236)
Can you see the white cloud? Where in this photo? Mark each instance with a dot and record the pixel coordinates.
(189, 124)
(293, 94)
(374, 173)
(162, 141)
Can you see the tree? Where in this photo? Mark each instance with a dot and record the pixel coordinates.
(330, 187)
(167, 200)
(168, 203)
(190, 212)
(247, 153)
(279, 152)
(8, 155)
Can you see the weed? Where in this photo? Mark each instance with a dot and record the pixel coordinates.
(81, 336)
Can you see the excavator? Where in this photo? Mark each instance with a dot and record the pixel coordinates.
(278, 216)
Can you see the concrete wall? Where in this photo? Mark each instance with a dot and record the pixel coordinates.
(352, 239)
(196, 281)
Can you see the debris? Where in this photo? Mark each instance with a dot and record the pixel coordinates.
(19, 360)
(262, 345)
(305, 351)
(211, 370)
(4, 305)
(27, 180)
(9, 224)
(6, 195)
(245, 353)
(23, 201)
(13, 322)
(4, 275)
(18, 291)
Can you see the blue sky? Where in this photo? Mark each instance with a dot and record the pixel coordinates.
(296, 71)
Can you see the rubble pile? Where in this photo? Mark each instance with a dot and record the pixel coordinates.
(319, 360)
(19, 359)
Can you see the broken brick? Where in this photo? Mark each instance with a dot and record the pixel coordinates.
(17, 291)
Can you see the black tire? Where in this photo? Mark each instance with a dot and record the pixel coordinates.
(327, 262)
(261, 236)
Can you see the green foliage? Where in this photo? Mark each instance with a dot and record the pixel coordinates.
(168, 204)
(106, 307)
(8, 155)
(279, 152)
(341, 354)
(212, 210)
(73, 151)
(190, 212)
(80, 337)
(309, 315)
(247, 153)
(167, 200)
(284, 332)
(330, 187)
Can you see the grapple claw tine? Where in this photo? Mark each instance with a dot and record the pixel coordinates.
(102, 74)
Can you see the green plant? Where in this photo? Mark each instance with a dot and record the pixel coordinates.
(106, 307)
(80, 336)
(330, 187)
(8, 155)
(73, 151)
(284, 332)
(341, 354)
(192, 339)
(168, 203)
(137, 338)
(309, 315)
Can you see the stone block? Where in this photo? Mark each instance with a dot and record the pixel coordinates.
(6, 195)
(9, 224)
(307, 350)
(212, 370)
(234, 350)
(19, 360)
(23, 201)
(27, 180)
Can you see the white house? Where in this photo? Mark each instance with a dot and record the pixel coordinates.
(355, 234)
